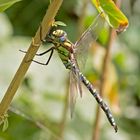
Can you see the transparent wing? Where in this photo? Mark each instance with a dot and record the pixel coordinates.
(75, 85)
(76, 71)
(86, 39)
(73, 92)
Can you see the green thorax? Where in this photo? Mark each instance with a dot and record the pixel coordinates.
(62, 45)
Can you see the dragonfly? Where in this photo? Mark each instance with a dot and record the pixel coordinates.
(73, 57)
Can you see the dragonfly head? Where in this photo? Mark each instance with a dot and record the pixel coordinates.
(58, 36)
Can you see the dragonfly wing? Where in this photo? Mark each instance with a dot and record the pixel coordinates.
(86, 40)
(72, 92)
(76, 74)
(75, 84)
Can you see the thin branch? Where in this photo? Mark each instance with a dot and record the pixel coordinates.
(82, 17)
(37, 123)
(36, 42)
(65, 110)
(96, 131)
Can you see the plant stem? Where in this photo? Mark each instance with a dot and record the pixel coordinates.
(36, 42)
(65, 110)
(82, 17)
(96, 133)
(37, 123)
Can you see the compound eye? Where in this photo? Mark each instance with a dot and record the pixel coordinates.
(62, 38)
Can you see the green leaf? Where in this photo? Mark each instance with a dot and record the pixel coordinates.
(1, 122)
(4, 121)
(60, 23)
(4, 4)
(103, 36)
(112, 14)
(5, 125)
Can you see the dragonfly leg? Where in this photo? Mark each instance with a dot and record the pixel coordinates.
(22, 51)
(51, 49)
(40, 54)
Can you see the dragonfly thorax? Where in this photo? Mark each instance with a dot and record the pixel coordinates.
(59, 36)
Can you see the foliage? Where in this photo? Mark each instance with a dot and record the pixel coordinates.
(4, 4)
(4, 122)
(112, 13)
(41, 102)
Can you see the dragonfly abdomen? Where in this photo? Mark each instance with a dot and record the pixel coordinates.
(64, 55)
(99, 100)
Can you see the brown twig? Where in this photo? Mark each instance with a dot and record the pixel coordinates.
(36, 42)
(96, 130)
(64, 114)
(82, 17)
(37, 123)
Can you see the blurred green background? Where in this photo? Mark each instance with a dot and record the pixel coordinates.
(40, 108)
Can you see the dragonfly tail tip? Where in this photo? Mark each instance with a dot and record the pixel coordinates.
(115, 128)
